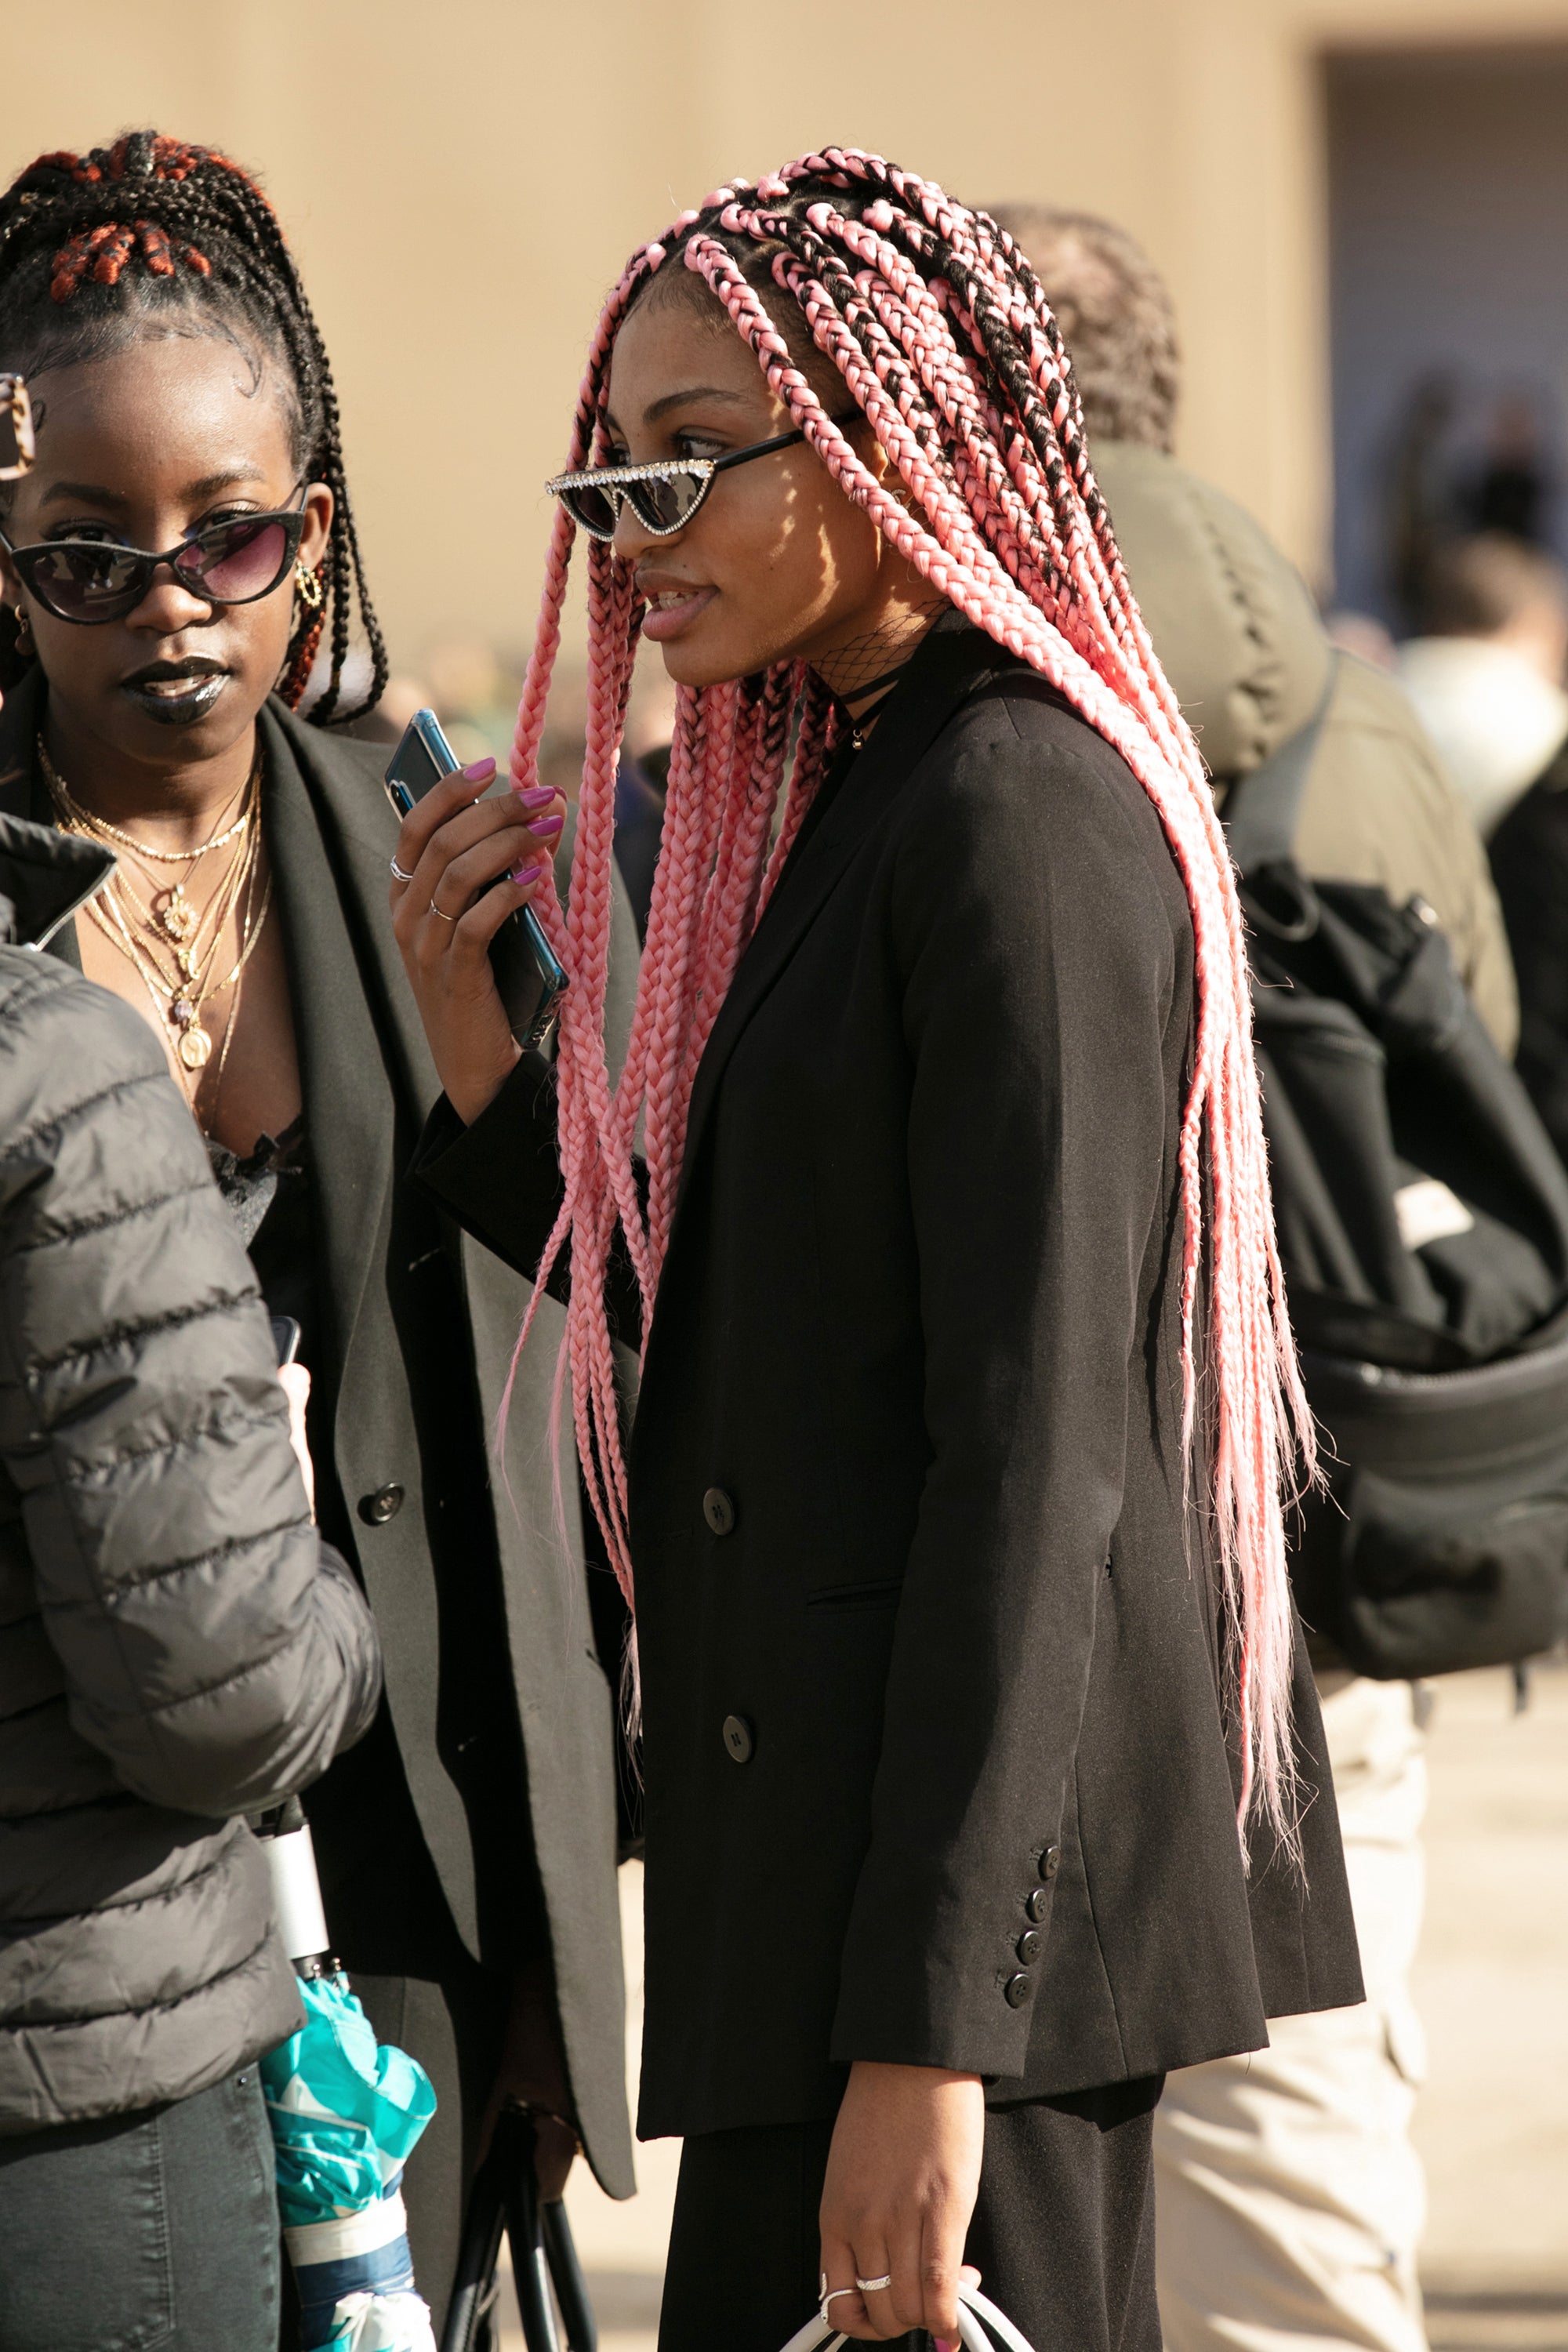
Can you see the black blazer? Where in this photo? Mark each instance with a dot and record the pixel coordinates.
(381, 1438)
(936, 1769)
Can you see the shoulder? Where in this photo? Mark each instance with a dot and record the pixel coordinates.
(1019, 782)
(1379, 805)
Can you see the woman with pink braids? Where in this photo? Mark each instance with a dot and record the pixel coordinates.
(981, 1765)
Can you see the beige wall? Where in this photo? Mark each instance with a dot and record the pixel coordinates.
(461, 181)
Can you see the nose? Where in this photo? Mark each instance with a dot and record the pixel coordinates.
(634, 539)
(170, 606)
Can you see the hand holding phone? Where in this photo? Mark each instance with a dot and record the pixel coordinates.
(529, 977)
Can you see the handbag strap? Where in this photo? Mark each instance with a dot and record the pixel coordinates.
(976, 2313)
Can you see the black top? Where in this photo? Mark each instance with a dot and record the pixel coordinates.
(936, 1765)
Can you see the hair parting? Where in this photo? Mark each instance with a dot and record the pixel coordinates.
(937, 326)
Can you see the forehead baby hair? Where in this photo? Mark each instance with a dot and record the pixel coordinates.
(860, 287)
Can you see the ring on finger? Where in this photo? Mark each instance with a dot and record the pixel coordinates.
(398, 873)
(435, 910)
(832, 2296)
(874, 2286)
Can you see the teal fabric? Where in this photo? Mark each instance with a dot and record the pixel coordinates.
(344, 2110)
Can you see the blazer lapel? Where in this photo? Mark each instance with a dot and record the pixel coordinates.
(949, 665)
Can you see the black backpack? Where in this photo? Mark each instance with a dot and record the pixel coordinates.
(1423, 1220)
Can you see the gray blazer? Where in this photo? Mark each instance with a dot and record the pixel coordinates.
(368, 1082)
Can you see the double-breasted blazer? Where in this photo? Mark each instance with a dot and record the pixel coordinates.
(936, 1756)
(386, 1466)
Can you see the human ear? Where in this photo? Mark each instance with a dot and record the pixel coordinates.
(319, 507)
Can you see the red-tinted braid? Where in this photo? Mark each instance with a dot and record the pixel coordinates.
(940, 333)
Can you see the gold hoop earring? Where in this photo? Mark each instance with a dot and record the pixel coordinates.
(309, 584)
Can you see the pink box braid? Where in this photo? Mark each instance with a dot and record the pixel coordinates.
(941, 334)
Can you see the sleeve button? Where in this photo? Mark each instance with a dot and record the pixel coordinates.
(384, 1505)
(1038, 1902)
(1017, 1991)
(739, 1740)
(1030, 1945)
(1050, 1861)
(719, 1510)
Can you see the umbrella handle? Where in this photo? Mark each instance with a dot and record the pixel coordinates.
(473, 2287)
(566, 2276)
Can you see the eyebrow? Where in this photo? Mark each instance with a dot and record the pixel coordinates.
(95, 494)
(658, 408)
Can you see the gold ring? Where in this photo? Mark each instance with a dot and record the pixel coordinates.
(435, 910)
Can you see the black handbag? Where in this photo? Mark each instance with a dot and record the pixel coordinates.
(1423, 1220)
(505, 2196)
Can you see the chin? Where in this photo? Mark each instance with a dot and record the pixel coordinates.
(690, 662)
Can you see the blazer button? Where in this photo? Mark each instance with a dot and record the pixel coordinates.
(1030, 1945)
(1017, 1991)
(384, 1505)
(1038, 1902)
(739, 1740)
(719, 1510)
(1050, 1861)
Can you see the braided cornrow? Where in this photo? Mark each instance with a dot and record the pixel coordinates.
(93, 245)
(845, 271)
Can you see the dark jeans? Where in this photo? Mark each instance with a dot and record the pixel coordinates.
(1063, 2233)
(147, 2232)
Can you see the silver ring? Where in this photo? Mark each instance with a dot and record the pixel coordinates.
(833, 2298)
(435, 910)
(874, 2286)
(398, 873)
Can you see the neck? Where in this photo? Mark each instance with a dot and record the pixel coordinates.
(856, 670)
(172, 807)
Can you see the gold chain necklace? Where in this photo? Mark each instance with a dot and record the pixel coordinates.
(177, 919)
(177, 927)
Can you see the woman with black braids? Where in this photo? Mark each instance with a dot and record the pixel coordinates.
(179, 566)
(933, 1185)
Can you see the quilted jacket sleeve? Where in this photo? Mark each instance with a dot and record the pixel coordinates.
(213, 1650)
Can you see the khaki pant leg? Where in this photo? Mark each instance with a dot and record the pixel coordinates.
(1290, 2203)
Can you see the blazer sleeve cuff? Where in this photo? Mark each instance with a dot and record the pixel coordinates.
(975, 2031)
(501, 1177)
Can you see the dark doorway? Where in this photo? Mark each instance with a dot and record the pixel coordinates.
(1449, 261)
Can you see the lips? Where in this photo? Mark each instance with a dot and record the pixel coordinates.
(673, 604)
(176, 694)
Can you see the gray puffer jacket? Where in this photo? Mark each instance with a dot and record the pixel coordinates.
(177, 1647)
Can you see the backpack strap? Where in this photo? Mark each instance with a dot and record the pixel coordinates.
(1261, 808)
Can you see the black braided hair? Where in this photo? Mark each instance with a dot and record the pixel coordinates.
(93, 245)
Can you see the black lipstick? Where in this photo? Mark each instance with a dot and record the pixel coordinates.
(175, 694)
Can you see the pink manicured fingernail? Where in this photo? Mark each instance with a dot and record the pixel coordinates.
(480, 772)
(547, 828)
(523, 875)
(537, 796)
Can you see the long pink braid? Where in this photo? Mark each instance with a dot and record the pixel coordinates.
(938, 329)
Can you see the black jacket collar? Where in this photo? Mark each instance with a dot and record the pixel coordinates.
(45, 875)
(942, 672)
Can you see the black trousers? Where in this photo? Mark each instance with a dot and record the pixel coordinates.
(1063, 2233)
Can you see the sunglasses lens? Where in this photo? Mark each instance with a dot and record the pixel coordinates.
(82, 581)
(236, 561)
(594, 511)
(668, 499)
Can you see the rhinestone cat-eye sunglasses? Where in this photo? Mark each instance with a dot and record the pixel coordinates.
(664, 495)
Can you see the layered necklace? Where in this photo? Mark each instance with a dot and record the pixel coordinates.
(173, 945)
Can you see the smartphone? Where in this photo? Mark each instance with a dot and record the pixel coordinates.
(286, 1338)
(528, 974)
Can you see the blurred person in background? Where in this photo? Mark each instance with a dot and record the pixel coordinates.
(1529, 865)
(1486, 669)
(1515, 486)
(178, 567)
(1290, 2200)
(178, 1648)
